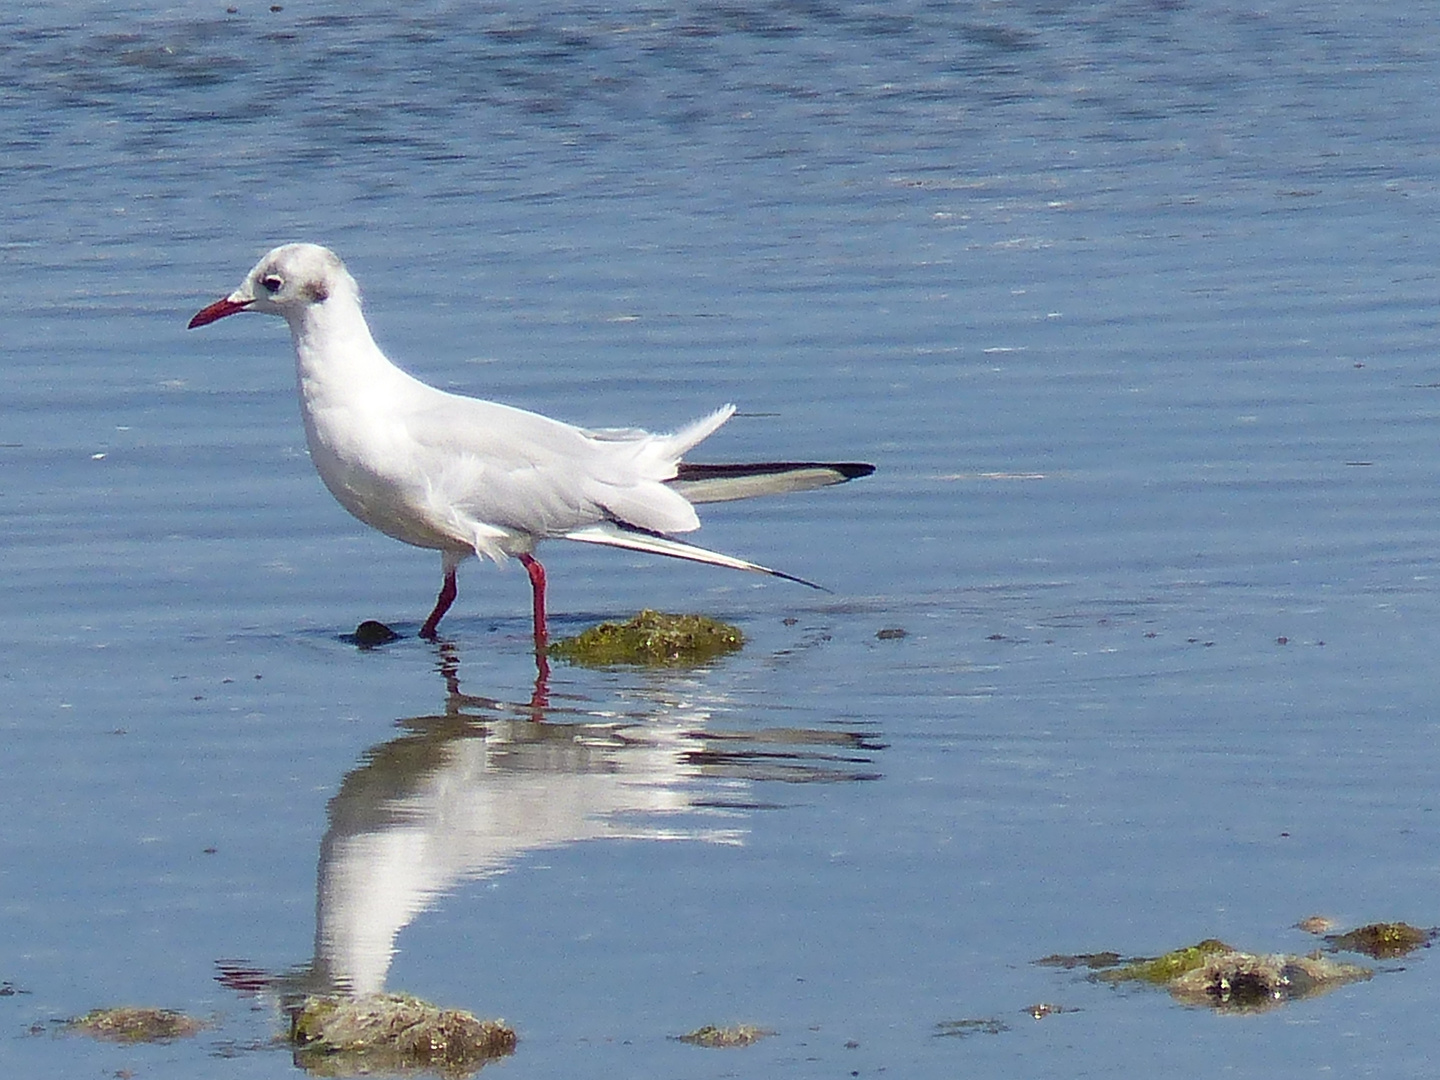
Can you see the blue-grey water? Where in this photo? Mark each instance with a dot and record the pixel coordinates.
(1134, 306)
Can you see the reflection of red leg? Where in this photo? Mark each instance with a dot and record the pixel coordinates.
(537, 586)
(540, 696)
(442, 605)
(246, 980)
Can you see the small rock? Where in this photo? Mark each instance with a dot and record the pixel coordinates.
(725, 1037)
(1042, 1009)
(1383, 941)
(370, 633)
(129, 1024)
(392, 1033)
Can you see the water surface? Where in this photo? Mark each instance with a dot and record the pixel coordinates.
(1132, 305)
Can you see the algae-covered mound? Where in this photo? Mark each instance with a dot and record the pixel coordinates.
(392, 1033)
(1383, 941)
(724, 1037)
(1215, 974)
(1248, 983)
(130, 1024)
(651, 638)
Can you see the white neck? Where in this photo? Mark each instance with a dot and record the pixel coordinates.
(333, 343)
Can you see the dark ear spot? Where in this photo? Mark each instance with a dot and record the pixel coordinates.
(316, 291)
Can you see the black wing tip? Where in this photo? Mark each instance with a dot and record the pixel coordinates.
(848, 470)
(797, 580)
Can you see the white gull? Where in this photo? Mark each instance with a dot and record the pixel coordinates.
(469, 477)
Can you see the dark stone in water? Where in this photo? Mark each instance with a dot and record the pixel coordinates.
(1383, 941)
(371, 633)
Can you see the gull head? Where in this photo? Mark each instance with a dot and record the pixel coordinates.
(288, 281)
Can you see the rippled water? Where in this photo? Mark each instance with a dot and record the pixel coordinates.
(1132, 304)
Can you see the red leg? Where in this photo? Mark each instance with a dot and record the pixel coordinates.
(442, 605)
(537, 586)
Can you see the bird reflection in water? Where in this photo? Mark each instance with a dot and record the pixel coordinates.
(468, 792)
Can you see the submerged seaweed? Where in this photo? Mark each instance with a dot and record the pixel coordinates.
(1069, 961)
(963, 1029)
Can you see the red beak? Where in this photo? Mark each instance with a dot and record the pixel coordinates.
(218, 310)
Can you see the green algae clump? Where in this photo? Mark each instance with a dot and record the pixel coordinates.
(652, 639)
(1160, 970)
(392, 1033)
(725, 1037)
(131, 1024)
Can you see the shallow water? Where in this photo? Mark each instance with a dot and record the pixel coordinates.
(1134, 309)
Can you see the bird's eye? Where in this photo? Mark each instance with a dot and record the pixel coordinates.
(271, 283)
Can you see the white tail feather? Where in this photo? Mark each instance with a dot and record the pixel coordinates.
(615, 536)
(695, 432)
